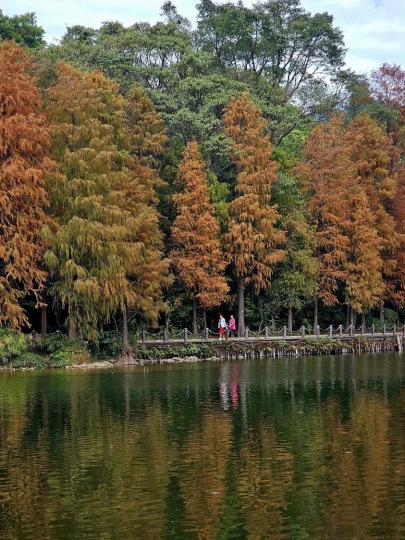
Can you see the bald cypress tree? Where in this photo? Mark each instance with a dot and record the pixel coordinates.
(24, 162)
(372, 153)
(374, 158)
(196, 251)
(364, 265)
(101, 197)
(253, 239)
(328, 173)
(149, 136)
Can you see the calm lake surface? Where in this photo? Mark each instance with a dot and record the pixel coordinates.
(291, 448)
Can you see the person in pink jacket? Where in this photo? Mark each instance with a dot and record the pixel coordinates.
(232, 326)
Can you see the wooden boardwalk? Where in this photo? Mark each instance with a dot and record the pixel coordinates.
(165, 339)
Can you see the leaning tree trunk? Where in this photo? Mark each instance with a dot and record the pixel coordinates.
(195, 329)
(315, 314)
(290, 319)
(126, 347)
(241, 306)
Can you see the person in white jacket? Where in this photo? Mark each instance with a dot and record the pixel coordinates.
(222, 327)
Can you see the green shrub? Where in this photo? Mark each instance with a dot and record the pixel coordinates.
(52, 343)
(108, 345)
(69, 354)
(13, 344)
(198, 350)
(29, 360)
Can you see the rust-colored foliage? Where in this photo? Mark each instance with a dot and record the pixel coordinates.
(253, 239)
(196, 253)
(388, 86)
(148, 130)
(364, 281)
(24, 147)
(397, 280)
(327, 173)
(373, 154)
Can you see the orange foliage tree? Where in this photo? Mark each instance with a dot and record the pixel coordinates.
(374, 158)
(253, 239)
(397, 280)
(364, 280)
(196, 250)
(24, 147)
(148, 131)
(106, 255)
(327, 173)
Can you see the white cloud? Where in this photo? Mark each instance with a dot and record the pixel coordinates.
(374, 29)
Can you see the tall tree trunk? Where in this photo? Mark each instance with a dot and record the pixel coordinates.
(260, 308)
(126, 347)
(363, 319)
(290, 319)
(241, 306)
(195, 329)
(44, 314)
(72, 330)
(315, 314)
(353, 318)
(347, 315)
(205, 319)
(167, 320)
(382, 314)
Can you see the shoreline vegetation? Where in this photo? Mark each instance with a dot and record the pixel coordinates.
(161, 175)
(22, 352)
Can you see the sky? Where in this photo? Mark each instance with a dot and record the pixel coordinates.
(374, 29)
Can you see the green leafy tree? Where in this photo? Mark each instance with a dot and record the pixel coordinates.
(23, 29)
(277, 39)
(294, 280)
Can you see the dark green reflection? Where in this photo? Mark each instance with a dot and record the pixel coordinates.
(299, 448)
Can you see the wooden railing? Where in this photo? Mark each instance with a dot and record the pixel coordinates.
(164, 336)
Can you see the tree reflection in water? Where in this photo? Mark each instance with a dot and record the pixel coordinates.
(296, 448)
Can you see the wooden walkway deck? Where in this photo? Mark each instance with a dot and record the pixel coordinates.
(165, 340)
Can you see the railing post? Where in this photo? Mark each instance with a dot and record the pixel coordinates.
(330, 330)
(165, 335)
(302, 331)
(143, 335)
(206, 334)
(246, 333)
(266, 332)
(372, 329)
(185, 335)
(284, 332)
(340, 329)
(317, 330)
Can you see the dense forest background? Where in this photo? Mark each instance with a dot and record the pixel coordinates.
(159, 174)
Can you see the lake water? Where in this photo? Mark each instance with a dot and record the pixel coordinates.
(300, 449)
